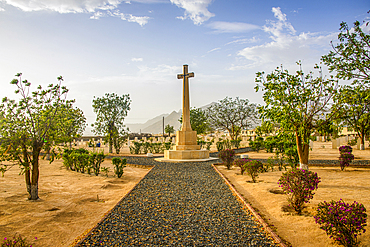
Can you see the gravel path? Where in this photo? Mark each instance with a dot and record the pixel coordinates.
(185, 204)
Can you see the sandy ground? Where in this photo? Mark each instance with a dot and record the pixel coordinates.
(70, 202)
(320, 151)
(266, 196)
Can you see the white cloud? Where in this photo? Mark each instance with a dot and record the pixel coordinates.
(231, 27)
(137, 59)
(218, 48)
(243, 41)
(64, 6)
(141, 20)
(77, 6)
(285, 47)
(1, 9)
(97, 15)
(195, 10)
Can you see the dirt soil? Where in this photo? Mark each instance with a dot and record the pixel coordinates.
(266, 196)
(70, 203)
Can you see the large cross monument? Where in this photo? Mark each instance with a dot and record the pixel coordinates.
(186, 139)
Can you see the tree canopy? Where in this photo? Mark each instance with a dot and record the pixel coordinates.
(350, 58)
(111, 111)
(355, 110)
(26, 125)
(169, 129)
(198, 121)
(232, 115)
(299, 103)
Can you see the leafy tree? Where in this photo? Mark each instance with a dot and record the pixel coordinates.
(111, 111)
(170, 129)
(267, 127)
(119, 138)
(26, 125)
(298, 103)
(329, 129)
(355, 111)
(198, 121)
(232, 115)
(350, 58)
(71, 123)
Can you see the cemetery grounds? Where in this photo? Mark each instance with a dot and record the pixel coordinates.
(72, 203)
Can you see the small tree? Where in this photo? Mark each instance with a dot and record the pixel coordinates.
(111, 111)
(27, 125)
(170, 129)
(355, 110)
(198, 121)
(299, 103)
(232, 115)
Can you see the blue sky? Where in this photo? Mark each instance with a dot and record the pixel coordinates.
(137, 47)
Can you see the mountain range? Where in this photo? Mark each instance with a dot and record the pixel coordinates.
(155, 125)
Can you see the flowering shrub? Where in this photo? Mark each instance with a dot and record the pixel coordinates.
(253, 167)
(341, 221)
(241, 164)
(16, 241)
(299, 185)
(345, 157)
(227, 157)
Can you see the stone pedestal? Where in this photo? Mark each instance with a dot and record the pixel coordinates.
(186, 147)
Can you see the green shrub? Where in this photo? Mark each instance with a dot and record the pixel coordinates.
(167, 145)
(341, 221)
(136, 148)
(253, 168)
(119, 164)
(95, 161)
(299, 185)
(241, 164)
(257, 144)
(227, 157)
(145, 147)
(105, 170)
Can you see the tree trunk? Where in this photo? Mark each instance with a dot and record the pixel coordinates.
(303, 152)
(34, 190)
(362, 145)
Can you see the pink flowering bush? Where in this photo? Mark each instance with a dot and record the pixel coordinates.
(16, 241)
(341, 221)
(241, 164)
(227, 157)
(299, 185)
(346, 156)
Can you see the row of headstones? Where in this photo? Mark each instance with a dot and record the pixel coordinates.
(336, 143)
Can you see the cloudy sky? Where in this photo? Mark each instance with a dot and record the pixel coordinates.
(137, 47)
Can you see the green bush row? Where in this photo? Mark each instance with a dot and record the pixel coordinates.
(81, 160)
(148, 147)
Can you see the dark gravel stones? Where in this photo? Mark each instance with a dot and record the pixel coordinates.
(179, 204)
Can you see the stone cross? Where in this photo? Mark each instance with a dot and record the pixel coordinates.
(185, 99)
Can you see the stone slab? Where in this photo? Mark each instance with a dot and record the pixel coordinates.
(184, 160)
(186, 154)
